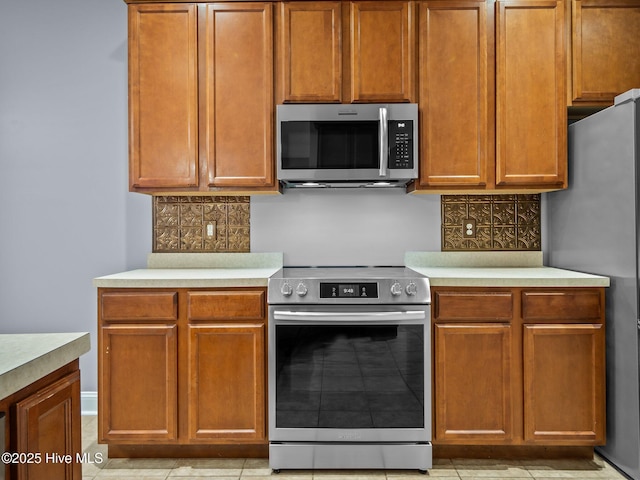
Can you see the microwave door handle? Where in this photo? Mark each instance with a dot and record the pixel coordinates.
(384, 141)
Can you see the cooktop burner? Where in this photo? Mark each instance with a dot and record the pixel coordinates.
(348, 285)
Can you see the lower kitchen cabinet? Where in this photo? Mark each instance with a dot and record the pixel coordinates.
(473, 382)
(563, 384)
(180, 368)
(42, 427)
(519, 366)
(49, 425)
(226, 372)
(563, 366)
(137, 366)
(226, 367)
(138, 387)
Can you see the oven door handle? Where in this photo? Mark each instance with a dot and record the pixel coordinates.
(350, 316)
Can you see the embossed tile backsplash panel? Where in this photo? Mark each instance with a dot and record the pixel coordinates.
(201, 224)
(499, 222)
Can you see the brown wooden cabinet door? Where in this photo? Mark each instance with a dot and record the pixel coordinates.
(564, 382)
(382, 51)
(238, 51)
(310, 51)
(226, 378)
(49, 423)
(605, 37)
(137, 395)
(473, 383)
(454, 93)
(531, 114)
(163, 96)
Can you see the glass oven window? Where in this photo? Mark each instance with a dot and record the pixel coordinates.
(350, 376)
(329, 145)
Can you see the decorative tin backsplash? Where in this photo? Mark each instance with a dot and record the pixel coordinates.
(201, 224)
(491, 222)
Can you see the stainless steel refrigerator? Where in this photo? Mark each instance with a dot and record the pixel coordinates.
(594, 226)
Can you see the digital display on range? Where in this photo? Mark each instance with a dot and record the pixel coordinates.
(346, 290)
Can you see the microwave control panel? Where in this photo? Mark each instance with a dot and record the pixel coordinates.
(401, 144)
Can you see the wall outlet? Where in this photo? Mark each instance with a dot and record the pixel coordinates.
(468, 228)
(211, 230)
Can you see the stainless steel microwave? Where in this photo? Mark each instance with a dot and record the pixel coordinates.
(336, 145)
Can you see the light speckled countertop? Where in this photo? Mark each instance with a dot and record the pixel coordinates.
(27, 357)
(464, 269)
(496, 269)
(193, 270)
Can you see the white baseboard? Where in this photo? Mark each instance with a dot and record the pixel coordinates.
(89, 403)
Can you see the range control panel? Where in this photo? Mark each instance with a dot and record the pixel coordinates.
(348, 285)
(343, 290)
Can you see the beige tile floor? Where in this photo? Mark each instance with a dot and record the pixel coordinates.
(258, 469)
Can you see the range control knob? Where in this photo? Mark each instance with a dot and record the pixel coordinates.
(301, 289)
(396, 289)
(411, 289)
(286, 289)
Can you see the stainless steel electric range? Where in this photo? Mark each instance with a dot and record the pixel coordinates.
(349, 368)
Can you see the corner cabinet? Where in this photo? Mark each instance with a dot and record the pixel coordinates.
(492, 96)
(604, 50)
(201, 97)
(346, 52)
(182, 372)
(519, 366)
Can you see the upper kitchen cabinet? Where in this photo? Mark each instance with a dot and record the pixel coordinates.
(346, 52)
(604, 50)
(531, 112)
(163, 96)
(238, 91)
(310, 48)
(201, 97)
(454, 93)
(492, 89)
(382, 52)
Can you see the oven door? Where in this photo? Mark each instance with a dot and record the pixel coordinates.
(346, 373)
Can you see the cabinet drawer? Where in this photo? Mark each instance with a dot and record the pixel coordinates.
(226, 305)
(473, 306)
(122, 306)
(563, 305)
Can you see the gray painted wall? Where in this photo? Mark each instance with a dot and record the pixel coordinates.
(66, 215)
(345, 227)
